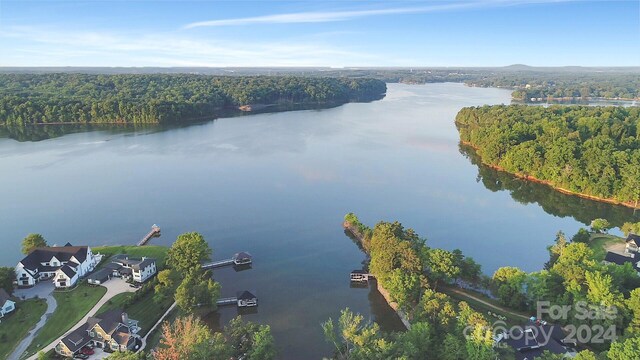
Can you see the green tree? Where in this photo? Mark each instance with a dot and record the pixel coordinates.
(417, 343)
(452, 348)
(7, 277)
(582, 236)
(188, 252)
(251, 340)
(354, 339)
(197, 289)
(510, 281)
(31, 242)
(624, 350)
(442, 266)
(585, 355)
(600, 225)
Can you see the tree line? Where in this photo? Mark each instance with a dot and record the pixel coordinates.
(413, 273)
(593, 151)
(161, 98)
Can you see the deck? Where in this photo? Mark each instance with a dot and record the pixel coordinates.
(227, 301)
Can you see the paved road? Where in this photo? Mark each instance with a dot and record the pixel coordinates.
(114, 287)
(44, 291)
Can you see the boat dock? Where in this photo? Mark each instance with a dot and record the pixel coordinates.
(227, 301)
(238, 259)
(360, 276)
(155, 232)
(242, 299)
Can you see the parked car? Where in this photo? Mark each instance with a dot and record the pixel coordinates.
(87, 351)
(80, 356)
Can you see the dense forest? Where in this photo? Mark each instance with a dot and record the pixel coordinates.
(161, 98)
(554, 86)
(593, 151)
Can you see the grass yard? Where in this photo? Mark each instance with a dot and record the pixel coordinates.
(483, 308)
(145, 310)
(15, 326)
(153, 251)
(599, 243)
(72, 306)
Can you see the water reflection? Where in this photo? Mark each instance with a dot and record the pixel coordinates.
(43, 132)
(552, 202)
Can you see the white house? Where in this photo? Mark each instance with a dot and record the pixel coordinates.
(65, 264)
(632, 244)
(6, 304)
(139, 270)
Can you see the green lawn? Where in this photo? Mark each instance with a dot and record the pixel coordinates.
(14, 327)
(483, 308)
(600, 242)
(154, 339)
(72, 306)
(145, 310)
(153, 251)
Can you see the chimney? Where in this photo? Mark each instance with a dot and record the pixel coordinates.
(125, 318)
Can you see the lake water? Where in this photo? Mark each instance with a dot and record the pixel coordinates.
(278, 185)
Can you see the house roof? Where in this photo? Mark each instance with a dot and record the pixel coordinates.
(4, 296)
(533, 344)
(143, 264)
(109, 321)
(63, 253)
(242, 255)
(616, 258)
(358, 271)
(246, 295)
(68, 270)
(77, 339)
(112, 266)
(121, 337)
(634, 238)
(100, 275)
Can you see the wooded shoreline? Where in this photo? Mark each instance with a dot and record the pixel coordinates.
(549, 183)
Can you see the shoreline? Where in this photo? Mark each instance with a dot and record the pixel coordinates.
(550, 184)
(385, 294)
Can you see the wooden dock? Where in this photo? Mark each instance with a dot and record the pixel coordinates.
(238, 259)
(155, 232)
(227, 301)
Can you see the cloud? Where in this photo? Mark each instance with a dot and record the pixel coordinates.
(64, 47)
(332, 16)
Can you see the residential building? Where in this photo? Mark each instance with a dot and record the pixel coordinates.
(6, 304)
(138, 270)
(619, 259)
(632, 243)
(112, 330)
(64, 264)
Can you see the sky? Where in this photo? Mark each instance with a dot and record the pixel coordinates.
(335, 33)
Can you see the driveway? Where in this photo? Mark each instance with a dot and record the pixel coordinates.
(43, 290)
(114, 287)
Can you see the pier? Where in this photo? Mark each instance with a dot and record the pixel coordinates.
(360, 276)
(242, 299)
(238, 259)
(155, 232)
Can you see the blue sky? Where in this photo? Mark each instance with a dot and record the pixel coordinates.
(319, 33)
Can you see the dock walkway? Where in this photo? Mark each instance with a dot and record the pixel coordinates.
(155, 232)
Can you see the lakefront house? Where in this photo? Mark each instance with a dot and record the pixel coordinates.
(64, 264)
(632, 244)
(138, 270)
(112, 330)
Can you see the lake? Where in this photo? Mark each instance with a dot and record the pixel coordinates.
(278, 185)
